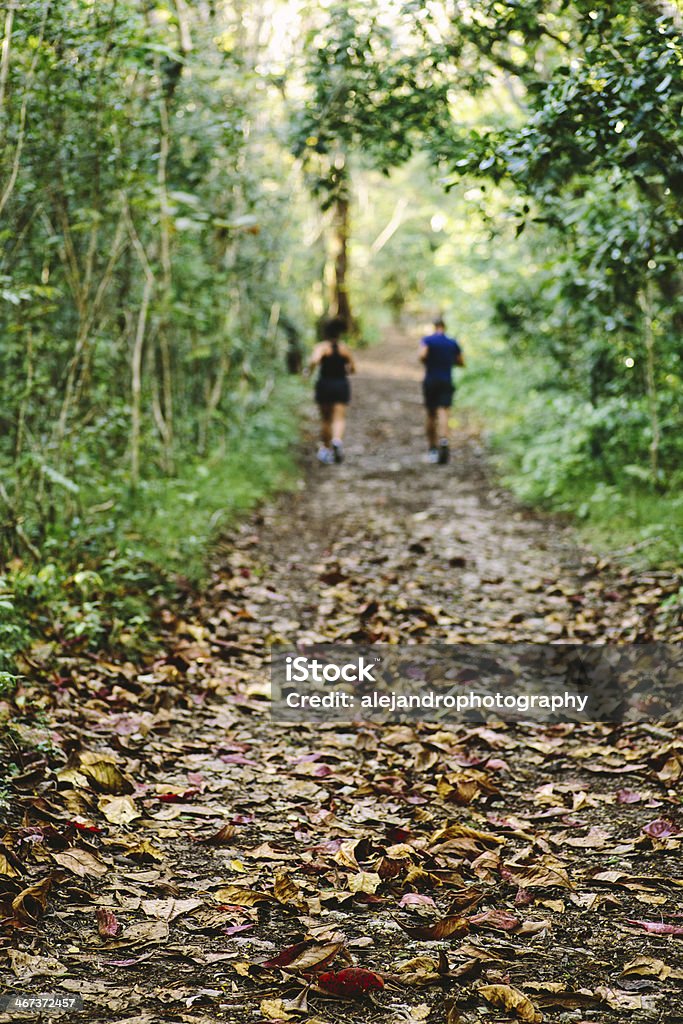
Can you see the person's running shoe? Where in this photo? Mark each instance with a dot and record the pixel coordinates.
(433, 456)
(337, 451)
(444, 452)
(325, 455)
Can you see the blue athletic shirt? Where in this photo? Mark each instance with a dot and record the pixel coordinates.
(442, 353)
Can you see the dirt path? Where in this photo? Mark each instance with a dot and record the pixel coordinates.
(179, 839)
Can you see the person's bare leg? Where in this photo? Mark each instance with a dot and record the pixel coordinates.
(326, 411)
(442, 423)
(431, 428)
(338, 421)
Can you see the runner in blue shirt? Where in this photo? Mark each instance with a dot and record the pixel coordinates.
(440, 354)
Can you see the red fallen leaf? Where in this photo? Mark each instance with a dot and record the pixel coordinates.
(498, 920)
(107, 924)
(628, 796)
(308, 955)
(446, 928)
(658, 927)
(351, 983)
(661, 829)
(173, 798)
(83, 827)
(523, 898)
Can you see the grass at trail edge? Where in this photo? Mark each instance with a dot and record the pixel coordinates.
(557, 452)
(103, 574)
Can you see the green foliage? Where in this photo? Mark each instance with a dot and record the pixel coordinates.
(146, 292)
(98, 588)
(570, 455)
(159, 257)
(370, 89)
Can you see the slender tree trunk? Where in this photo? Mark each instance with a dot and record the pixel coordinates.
(340, 304)
(651, 382)
(138, 349)
(5, 52)
(166, 410)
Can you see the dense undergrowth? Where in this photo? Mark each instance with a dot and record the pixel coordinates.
(566, 454)
(106, 574)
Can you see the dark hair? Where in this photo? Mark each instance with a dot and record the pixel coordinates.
(333, 328)
(438, 321)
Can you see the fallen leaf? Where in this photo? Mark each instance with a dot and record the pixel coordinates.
(274, 1009)
(308, 955)
(26, 966)
(364, 881)
(658, 927)
(350, 983)
(504, 997)
(170, 909)
(29, 905)
(446, 928)
(661, 828)
(222, 837)
(498, 920)
(107, 925)
(119, 810)
(105, 776)
(545, 876)
(81, 863)
(241, 896)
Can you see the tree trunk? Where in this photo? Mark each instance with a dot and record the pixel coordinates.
(339, 303)
(336, 270)
(651, 383)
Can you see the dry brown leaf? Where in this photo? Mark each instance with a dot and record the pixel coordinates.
(6, 868)
(119, 810)
(346, 855)
(81, 863)
(241, 896)
(542, 876)
(286, 891)
(504, 997)
(170, 909)
(26, 966)
(646, 967)
(457, 831)
(305, 956)
(447, 928)
(104, 775)
(364, 881)
(144, 852)
(274, 1009)
(421, 970)
(30, 903)
(143, 933)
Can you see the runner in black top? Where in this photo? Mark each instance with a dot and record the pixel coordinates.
(332, 389)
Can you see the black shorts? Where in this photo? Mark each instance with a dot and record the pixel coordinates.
(332, 391)
(438, 394)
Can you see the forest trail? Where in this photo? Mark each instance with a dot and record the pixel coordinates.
(443, 551)
(485, 873)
